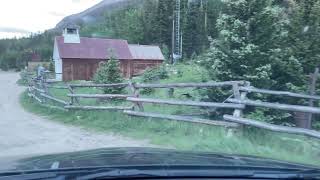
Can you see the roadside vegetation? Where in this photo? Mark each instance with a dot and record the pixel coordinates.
(273, 44)
(180, 135)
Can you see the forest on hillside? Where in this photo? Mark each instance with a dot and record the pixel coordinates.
(274, 44)
(274, 41)
(147, 23)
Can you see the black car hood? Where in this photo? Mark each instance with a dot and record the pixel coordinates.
(115, 157)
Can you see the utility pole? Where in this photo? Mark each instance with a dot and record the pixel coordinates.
(172, 43)
(177, 35)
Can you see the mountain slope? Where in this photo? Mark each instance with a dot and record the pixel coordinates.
(96, 12)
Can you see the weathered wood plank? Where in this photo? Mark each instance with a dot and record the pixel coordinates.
(276, 128)
(37, 89)
(312, 90)
(98, 108)
(238, 95)
(283, 93)
(136, 94)
(118, 96)
(54, 107)
(190, 85)
(187, 103)
(54, 99)
(35, 97)
(182, 118)
(52, 81)
(286, 107)
(72, 92)
(99, 85)
(57, 87)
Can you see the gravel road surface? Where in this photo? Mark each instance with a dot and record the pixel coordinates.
(23, 133)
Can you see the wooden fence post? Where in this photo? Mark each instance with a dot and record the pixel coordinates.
(30, 89)
(239, 96)
(39, 86)
(237, 112)
(43, 88)
(135, 93)
(170, 92)
(45, 83)
(72, 92)
(312, 90)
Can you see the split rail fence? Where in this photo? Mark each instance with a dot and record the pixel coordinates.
(39, 90)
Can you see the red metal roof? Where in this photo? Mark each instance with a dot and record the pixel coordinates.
(146, 52)
(93, 48)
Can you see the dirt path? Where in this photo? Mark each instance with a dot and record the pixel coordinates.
(23, 133)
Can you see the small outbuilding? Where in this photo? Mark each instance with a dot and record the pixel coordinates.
(144, 57)
(77, 58)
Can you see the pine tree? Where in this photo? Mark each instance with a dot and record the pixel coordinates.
(305, 33)
(252, 46)
(213, 9)
(149, 21)
(194, 32)
(133, 30)
(109, 73)
(164, 21)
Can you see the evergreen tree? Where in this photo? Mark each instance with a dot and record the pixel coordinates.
(305, 33)
(213, 10)
(149, 21)
(134, 27)
(164, 21)
(194, 31)
(109, 73)
(252, 46)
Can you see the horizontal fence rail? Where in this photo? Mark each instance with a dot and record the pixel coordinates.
(99, 85)
(190, 85)
(182, 118)
(187, 103)
(56, 87)
(35, 97)
(276, 128)
(97, 96)
(119, 108)
(54, 99)
(286, 107)
(39, 90)
(284, 93)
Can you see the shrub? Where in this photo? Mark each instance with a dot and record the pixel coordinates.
(274, 117)
(109, 73)
(154, 75)
(24, 78)
(51, 67)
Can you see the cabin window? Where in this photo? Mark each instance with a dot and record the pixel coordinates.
(72, 31)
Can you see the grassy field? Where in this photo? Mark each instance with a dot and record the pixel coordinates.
(183, 136)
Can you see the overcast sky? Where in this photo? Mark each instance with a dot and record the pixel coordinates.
(20, 17)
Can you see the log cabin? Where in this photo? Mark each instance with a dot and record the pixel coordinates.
(78, 58)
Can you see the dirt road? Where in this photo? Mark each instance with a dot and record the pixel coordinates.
(23, 133)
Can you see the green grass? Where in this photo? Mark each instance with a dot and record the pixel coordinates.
(180, 135)
(186, 136)
(22, 82)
